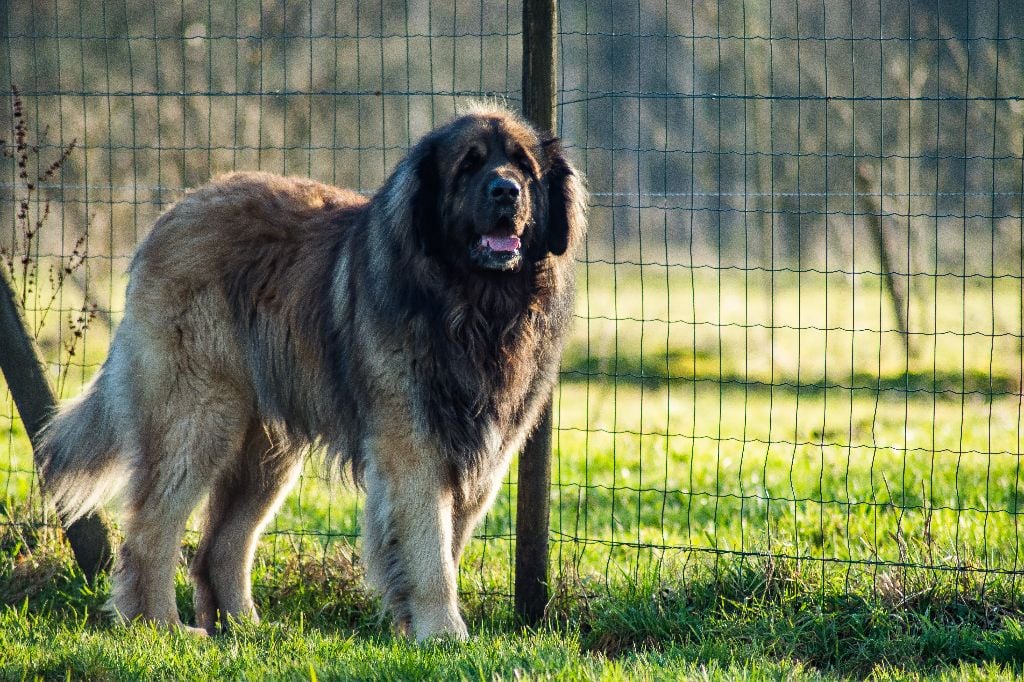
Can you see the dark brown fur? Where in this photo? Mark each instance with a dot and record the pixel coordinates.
(415, 336)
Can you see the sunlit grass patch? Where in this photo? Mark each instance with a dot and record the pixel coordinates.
(759, 483)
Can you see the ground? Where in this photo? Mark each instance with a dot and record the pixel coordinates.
(752, 480)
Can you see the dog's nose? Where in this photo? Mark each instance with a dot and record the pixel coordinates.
(503, 190)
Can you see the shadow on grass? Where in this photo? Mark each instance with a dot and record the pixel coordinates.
(761, 608)
(683, 368)
(901, 619)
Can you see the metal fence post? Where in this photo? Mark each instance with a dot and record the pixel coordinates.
(25, 372)
(532, 508)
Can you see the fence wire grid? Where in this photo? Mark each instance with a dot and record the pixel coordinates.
(800, 313)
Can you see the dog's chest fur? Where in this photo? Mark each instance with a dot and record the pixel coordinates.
(465, 355)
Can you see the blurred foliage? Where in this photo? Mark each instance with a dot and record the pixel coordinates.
(727, 131)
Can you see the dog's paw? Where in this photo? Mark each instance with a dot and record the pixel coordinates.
(443, 626)
(193, 631)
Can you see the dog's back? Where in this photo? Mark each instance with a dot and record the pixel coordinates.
(248, 241)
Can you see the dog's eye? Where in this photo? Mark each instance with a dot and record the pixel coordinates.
(523, 161)
(470, 161)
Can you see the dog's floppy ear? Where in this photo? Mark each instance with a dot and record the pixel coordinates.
(425, 200)
(410, 197)
(567, 201)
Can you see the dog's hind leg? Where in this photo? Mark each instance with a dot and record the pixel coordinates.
(244, 497)
(179, 453)
(467, 515)
(478, 495)
(408, 540)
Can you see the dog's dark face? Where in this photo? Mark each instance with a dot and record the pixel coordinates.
(493, 194)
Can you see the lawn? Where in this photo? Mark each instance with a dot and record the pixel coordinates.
(752, 479)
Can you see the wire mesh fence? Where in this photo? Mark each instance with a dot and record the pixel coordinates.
(799, 320)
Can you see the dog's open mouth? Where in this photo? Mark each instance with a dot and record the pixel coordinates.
(499, 243)
(496, 251)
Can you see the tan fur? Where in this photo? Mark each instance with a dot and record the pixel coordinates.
(267, 314)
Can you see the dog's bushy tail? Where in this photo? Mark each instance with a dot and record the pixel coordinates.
(80, 455)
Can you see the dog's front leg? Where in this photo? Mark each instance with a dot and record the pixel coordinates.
(408, 539)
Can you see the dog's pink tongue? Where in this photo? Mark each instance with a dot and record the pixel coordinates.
(510, 243)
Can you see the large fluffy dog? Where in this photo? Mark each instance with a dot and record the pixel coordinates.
(414, 335)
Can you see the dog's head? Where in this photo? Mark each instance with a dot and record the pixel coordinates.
(490, 193)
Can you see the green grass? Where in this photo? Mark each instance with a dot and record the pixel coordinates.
(751, 480)
(753, 620)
